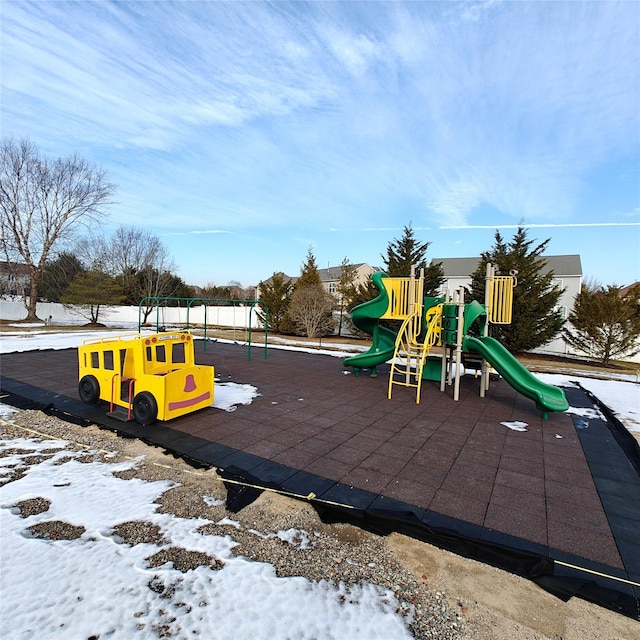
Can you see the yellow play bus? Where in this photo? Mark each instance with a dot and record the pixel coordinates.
(144, 377)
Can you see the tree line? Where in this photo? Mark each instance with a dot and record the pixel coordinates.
(49, 214)
(603, 324)
(46, 205)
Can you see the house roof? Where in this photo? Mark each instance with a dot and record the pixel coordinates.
(330, 274)
(333, 273)
(626, 290)
(566, 265)
(15, 268)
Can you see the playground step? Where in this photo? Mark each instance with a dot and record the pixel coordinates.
(120, 413)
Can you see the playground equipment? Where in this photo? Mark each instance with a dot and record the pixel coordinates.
(161, 304)
(147, 377)
(444, 322)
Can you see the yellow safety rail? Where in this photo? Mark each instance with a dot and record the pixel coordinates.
(500, 299)
(410, 355)
(404, 294)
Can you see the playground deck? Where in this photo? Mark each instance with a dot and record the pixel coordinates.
(563, 511)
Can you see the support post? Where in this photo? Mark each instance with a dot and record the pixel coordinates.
(458, 356)
(484, 371)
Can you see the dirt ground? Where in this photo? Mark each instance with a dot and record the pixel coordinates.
(501, 606)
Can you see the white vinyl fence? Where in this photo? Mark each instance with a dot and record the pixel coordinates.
(226, 316)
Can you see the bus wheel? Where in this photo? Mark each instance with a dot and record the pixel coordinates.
(145, 408)
(89, 389)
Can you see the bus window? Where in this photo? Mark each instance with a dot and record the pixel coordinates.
(95, 360)
(108, 360)
(178, 353)
(161, 353)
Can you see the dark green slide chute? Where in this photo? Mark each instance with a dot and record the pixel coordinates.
(366, 317)
(546, 396)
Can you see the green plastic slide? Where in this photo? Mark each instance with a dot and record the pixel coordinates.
(546, 396)
(366, 317)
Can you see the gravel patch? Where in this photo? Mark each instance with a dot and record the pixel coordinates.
(31, 507)
(138, 532)
(55, 530)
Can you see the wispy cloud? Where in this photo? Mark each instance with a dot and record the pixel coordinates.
(545, 225)
(303, 116)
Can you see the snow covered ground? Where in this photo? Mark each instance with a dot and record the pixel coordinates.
(97, 586)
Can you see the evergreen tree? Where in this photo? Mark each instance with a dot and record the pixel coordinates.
(606, 324)
(276, 294)
(346, 288)
(536, 318)
(90, 292)
(311, 307)
(309, 274)
(363, 293)
(406, 251)
(58, 275)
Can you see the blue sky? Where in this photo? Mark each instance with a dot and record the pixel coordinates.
(242, 133)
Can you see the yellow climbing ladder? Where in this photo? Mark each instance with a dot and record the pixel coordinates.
(411, 351)
(406, 302)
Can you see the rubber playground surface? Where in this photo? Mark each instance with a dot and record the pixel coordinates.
(558, 503)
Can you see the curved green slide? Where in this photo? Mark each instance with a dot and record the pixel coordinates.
(546, 396)
(366, 317)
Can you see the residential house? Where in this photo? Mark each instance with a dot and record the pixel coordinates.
(15, 279)
(330, 277)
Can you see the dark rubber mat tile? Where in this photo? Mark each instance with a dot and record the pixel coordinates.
(586, 543)
(529, 483)
(317, 447)
(630, 552)
(600, 470)
(618, 488)
(474, 471)
(424, 474)
(212, 453)
(386, 464)
(241, 460)
(515, 542)
(185, 444)
(347, 454)
(413, 492)
(623, 506)
(295, 457)
(265, 448)
(403, 510)
(307, 484)
(272, 472)
(448, 523)
(344, 494)
(517, 523)
(534, 468)
(468, 454)
(578, 515)
(329, 468)
(162, 436)
(459, 506)
(374, 481)
(532, 503)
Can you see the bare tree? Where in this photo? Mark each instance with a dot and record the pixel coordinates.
(44, 202)
(138, 259)
(311, 309)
